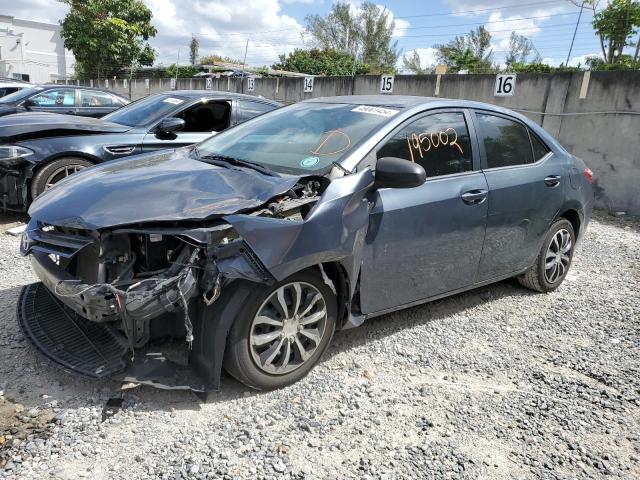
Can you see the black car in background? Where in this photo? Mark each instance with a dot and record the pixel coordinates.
(38, 150)
(67, 99)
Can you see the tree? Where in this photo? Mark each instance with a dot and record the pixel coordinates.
(187, 71)
(414, 64)
(215, 58)
(366, 34)
(321, 62)
(470, 52)
(108, 36)
(615, 25)
(193, 50)
(520, 47)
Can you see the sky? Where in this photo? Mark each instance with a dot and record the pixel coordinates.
(272, 27)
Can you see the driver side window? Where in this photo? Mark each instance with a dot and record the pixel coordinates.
(439, 142)
(55, 98)
(207, 117)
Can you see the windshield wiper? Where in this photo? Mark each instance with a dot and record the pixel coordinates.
(214, 157)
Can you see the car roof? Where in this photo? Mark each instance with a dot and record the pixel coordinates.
(217, 94)
(410, 101)
(15, 84)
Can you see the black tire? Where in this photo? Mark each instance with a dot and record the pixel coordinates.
(536, 278)
(238, 359)
(44, 175)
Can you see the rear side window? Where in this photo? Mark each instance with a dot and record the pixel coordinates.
(506, 142)
(95, 98)
(439, 142)
(539, 148)
(250, 109)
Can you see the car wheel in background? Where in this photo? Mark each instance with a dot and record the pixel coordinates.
(554, 259)
(55, 171)
(281, 332)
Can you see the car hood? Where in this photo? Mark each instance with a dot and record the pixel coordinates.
(27, 125)
(167, 186)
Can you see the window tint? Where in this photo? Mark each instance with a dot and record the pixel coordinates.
(56, 98)
(207, 117)
(8, 90)
(505, 142)
(539, 149)
(439, 142)
(250, 109)
(94, 98)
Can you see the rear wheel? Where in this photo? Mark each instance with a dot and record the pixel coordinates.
(554, 259)
(55, 171)
(281, 333)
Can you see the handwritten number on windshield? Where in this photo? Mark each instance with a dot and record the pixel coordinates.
(423, 142)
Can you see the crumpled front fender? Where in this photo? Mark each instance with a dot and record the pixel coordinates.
(334, 231)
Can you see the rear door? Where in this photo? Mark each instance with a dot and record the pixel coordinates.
(202, 120)
(55, 100)
(427, 240)
(526, 192)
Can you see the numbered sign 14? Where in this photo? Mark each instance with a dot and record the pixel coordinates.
(505, 85)
(250, 84)
(209, 84)
(308, 84)
(386, 84)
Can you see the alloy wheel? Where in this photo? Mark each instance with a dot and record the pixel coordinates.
(288, 328)
(62, 173)
(558, 256)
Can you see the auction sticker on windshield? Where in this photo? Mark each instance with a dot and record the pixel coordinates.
(174, 101)
(384, 112)
(309, 162)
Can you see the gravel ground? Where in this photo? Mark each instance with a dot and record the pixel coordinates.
(496, 383)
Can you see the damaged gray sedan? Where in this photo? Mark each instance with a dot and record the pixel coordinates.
(248, 251)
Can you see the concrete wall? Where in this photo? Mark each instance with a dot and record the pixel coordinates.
(608, 142)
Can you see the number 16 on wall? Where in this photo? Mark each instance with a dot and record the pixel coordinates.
(505, 85)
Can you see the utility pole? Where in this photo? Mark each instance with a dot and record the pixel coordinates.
(244, 62)
(574, 34)
(177, 66)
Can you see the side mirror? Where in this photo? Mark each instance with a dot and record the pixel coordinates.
(28, 103)
(171, 124)
(394, 172)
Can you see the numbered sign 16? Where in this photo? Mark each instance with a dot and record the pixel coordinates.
(106, 83)
(209, 84)
(125, 83)
(308, 84)
(146, 83)
(505, 85)
(173, 84)
(386, 84)
(250, 84)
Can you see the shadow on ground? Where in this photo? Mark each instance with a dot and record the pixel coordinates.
(29, 375)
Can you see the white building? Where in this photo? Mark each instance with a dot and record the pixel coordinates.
(33, 51)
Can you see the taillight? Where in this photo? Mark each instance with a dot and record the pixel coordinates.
(588, 174)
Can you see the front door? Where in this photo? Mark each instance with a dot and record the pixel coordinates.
(526, 191)
(202, 120)
(427, 240)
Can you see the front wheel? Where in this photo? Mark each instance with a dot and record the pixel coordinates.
(554, 259)
(281, 332)
(55, 171)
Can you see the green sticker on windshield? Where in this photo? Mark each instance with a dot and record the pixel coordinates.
(309, 162)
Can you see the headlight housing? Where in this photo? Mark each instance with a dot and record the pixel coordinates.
(13, 154)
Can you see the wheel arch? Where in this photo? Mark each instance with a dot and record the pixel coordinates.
(574, 218)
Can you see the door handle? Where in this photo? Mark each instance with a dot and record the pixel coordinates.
(552, 180)
(474, 197)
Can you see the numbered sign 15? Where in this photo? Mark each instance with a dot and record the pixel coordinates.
(308, 84)
(250, 84)
(386, 84)
(173, 84)
(209, 84)
(505, 85)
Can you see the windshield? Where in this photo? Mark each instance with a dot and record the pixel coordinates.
(19, 95)
(304, 137)
(145, 111)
